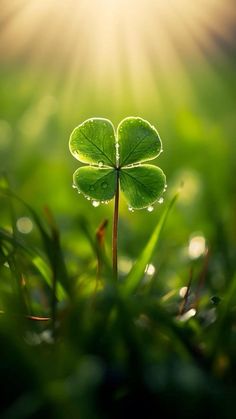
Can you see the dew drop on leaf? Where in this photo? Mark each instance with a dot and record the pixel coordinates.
(104, 185)
(130, 209)
(74, 186)
(150, 208)
(100, 163)
(161, 200)
(95, 204)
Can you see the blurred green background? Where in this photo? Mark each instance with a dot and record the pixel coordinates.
(172, 63)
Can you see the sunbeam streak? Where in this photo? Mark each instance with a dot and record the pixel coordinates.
(115, 43)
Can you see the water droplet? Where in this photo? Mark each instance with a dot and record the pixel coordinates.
(197, 246)
(24, 225)
(88, 198)
(106, 202)
(150, 269)
(186, 316)
(150, 208)
(161, 200)
(95, 204)
(161, 150)
(104, 185)
(100, 163)
(74, 186)
(91, 188)
(130, 209)
(183, 291)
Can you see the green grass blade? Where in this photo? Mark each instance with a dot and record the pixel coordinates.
(223, 327)
(46, 273)
(135, 275)
(36, 260)
(51, 242)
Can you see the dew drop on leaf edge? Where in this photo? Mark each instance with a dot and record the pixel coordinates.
(95, 203)
(150, 208)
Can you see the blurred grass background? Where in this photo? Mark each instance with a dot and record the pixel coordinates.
(172, 63)
(94, 60)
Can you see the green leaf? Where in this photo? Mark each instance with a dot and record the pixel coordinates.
(96, 183)
(138, 141)
(93, 142)
(118, 154)
(136, 274)
(142, 185)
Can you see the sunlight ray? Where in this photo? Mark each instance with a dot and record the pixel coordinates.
(127, 46)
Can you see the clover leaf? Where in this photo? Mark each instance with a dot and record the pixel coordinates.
(115, 158)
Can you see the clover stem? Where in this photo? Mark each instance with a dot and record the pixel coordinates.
(115, 228)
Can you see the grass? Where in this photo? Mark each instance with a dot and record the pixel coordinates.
(74, 343)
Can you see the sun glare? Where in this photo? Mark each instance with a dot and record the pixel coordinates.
(114, 41)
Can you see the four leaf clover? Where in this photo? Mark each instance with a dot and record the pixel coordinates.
(120, 156)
